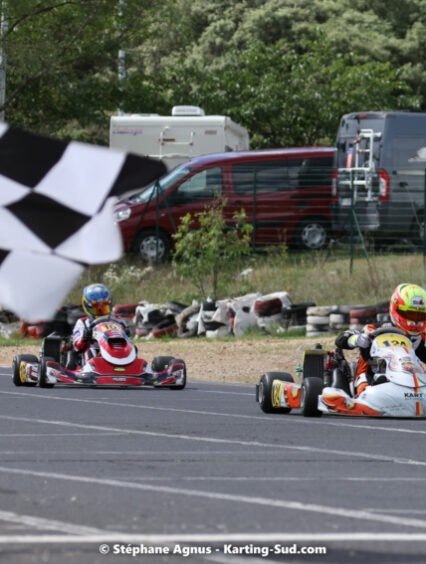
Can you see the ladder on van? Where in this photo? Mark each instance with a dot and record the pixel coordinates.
(360, 169)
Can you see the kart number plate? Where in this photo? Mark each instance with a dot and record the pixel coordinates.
(392, 340)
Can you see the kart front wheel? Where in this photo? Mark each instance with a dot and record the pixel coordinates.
(16, 368)
(311, 389)
(42, 372)
(265, 391)
(162, 363)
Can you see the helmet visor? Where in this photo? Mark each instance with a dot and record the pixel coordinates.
(101, 307)
(412, 315)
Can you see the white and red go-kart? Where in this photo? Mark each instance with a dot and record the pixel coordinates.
(398, 388)
(114, 363)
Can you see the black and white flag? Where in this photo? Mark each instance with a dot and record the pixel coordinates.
(56, 215)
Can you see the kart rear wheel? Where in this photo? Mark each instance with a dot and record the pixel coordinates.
(311, 389)
(265, 391)
(16, 367)
(42, 372)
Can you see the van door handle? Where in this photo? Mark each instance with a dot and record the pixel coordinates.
(237, 203)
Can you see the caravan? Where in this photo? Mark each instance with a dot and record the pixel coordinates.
(187, 133)
(379, 172)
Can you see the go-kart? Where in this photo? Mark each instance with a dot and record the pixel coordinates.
(112, 361)
(325, 383)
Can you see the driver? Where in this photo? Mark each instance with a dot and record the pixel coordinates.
(407, 311)
(96, 302)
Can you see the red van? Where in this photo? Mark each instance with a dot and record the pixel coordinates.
(286, 194)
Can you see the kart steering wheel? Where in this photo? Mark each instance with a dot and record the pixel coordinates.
(382, 330)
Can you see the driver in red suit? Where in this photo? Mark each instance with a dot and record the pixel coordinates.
(96, 301)
(407, 311)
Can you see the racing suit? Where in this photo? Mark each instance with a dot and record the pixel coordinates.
(81, 339)
(362, 339)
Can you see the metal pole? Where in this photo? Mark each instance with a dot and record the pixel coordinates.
(254, 211)
(424, 229)
(121, 57)
(352, 226)
(4, 26)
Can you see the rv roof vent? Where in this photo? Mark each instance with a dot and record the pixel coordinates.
(187, 111)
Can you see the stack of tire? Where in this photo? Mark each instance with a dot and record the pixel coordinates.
(157, 321)
(340, 317)
(317, 318)
(374, 314)
(187, 321)
(295, 316)
(269, 310)
(127, 313)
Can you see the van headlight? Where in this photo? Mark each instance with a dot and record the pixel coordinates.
(121, 215)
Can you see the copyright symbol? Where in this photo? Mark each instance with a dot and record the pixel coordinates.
(104, 548)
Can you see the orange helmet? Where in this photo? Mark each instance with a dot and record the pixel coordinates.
(408, 308)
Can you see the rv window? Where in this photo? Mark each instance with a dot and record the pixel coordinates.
(275, 176)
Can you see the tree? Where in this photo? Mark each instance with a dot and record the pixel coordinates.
(287, 98)
(208, 251)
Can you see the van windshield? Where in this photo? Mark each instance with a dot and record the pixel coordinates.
(164, 183)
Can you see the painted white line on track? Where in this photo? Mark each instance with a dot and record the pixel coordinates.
(217, 496)
(213, 440)
(41, 523)
(41, 435)
(112, 538)
(276, 420)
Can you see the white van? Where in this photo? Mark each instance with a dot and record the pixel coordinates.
(187, 133)
(379, 168)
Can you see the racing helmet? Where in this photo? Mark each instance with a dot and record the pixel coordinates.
(407, 308)
(96, 300)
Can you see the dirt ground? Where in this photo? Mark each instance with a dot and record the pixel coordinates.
(226, 361)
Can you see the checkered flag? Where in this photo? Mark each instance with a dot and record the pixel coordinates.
(56, 205)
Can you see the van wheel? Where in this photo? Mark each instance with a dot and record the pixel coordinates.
(311, 234)
(147, 245)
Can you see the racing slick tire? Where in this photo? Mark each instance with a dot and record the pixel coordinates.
(265, 391)
(42, 372)
(161, 363)
(180, 386)
(16, 367)
(311, 389)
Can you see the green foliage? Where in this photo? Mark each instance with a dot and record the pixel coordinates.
(208, 250)
(285, 69)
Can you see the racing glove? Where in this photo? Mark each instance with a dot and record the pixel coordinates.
(362, 341)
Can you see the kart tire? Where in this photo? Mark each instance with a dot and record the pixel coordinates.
(161, 363)
(265, 391)
(180, 386)
(16, 366)
(42, 372)
(311, 389)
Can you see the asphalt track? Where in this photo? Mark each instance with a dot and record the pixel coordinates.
(202, 471)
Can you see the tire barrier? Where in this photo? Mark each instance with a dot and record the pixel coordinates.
(218, 318)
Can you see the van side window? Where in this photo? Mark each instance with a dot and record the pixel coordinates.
(269, 176)
(409, 153)
(316, 172)
(204, 185)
